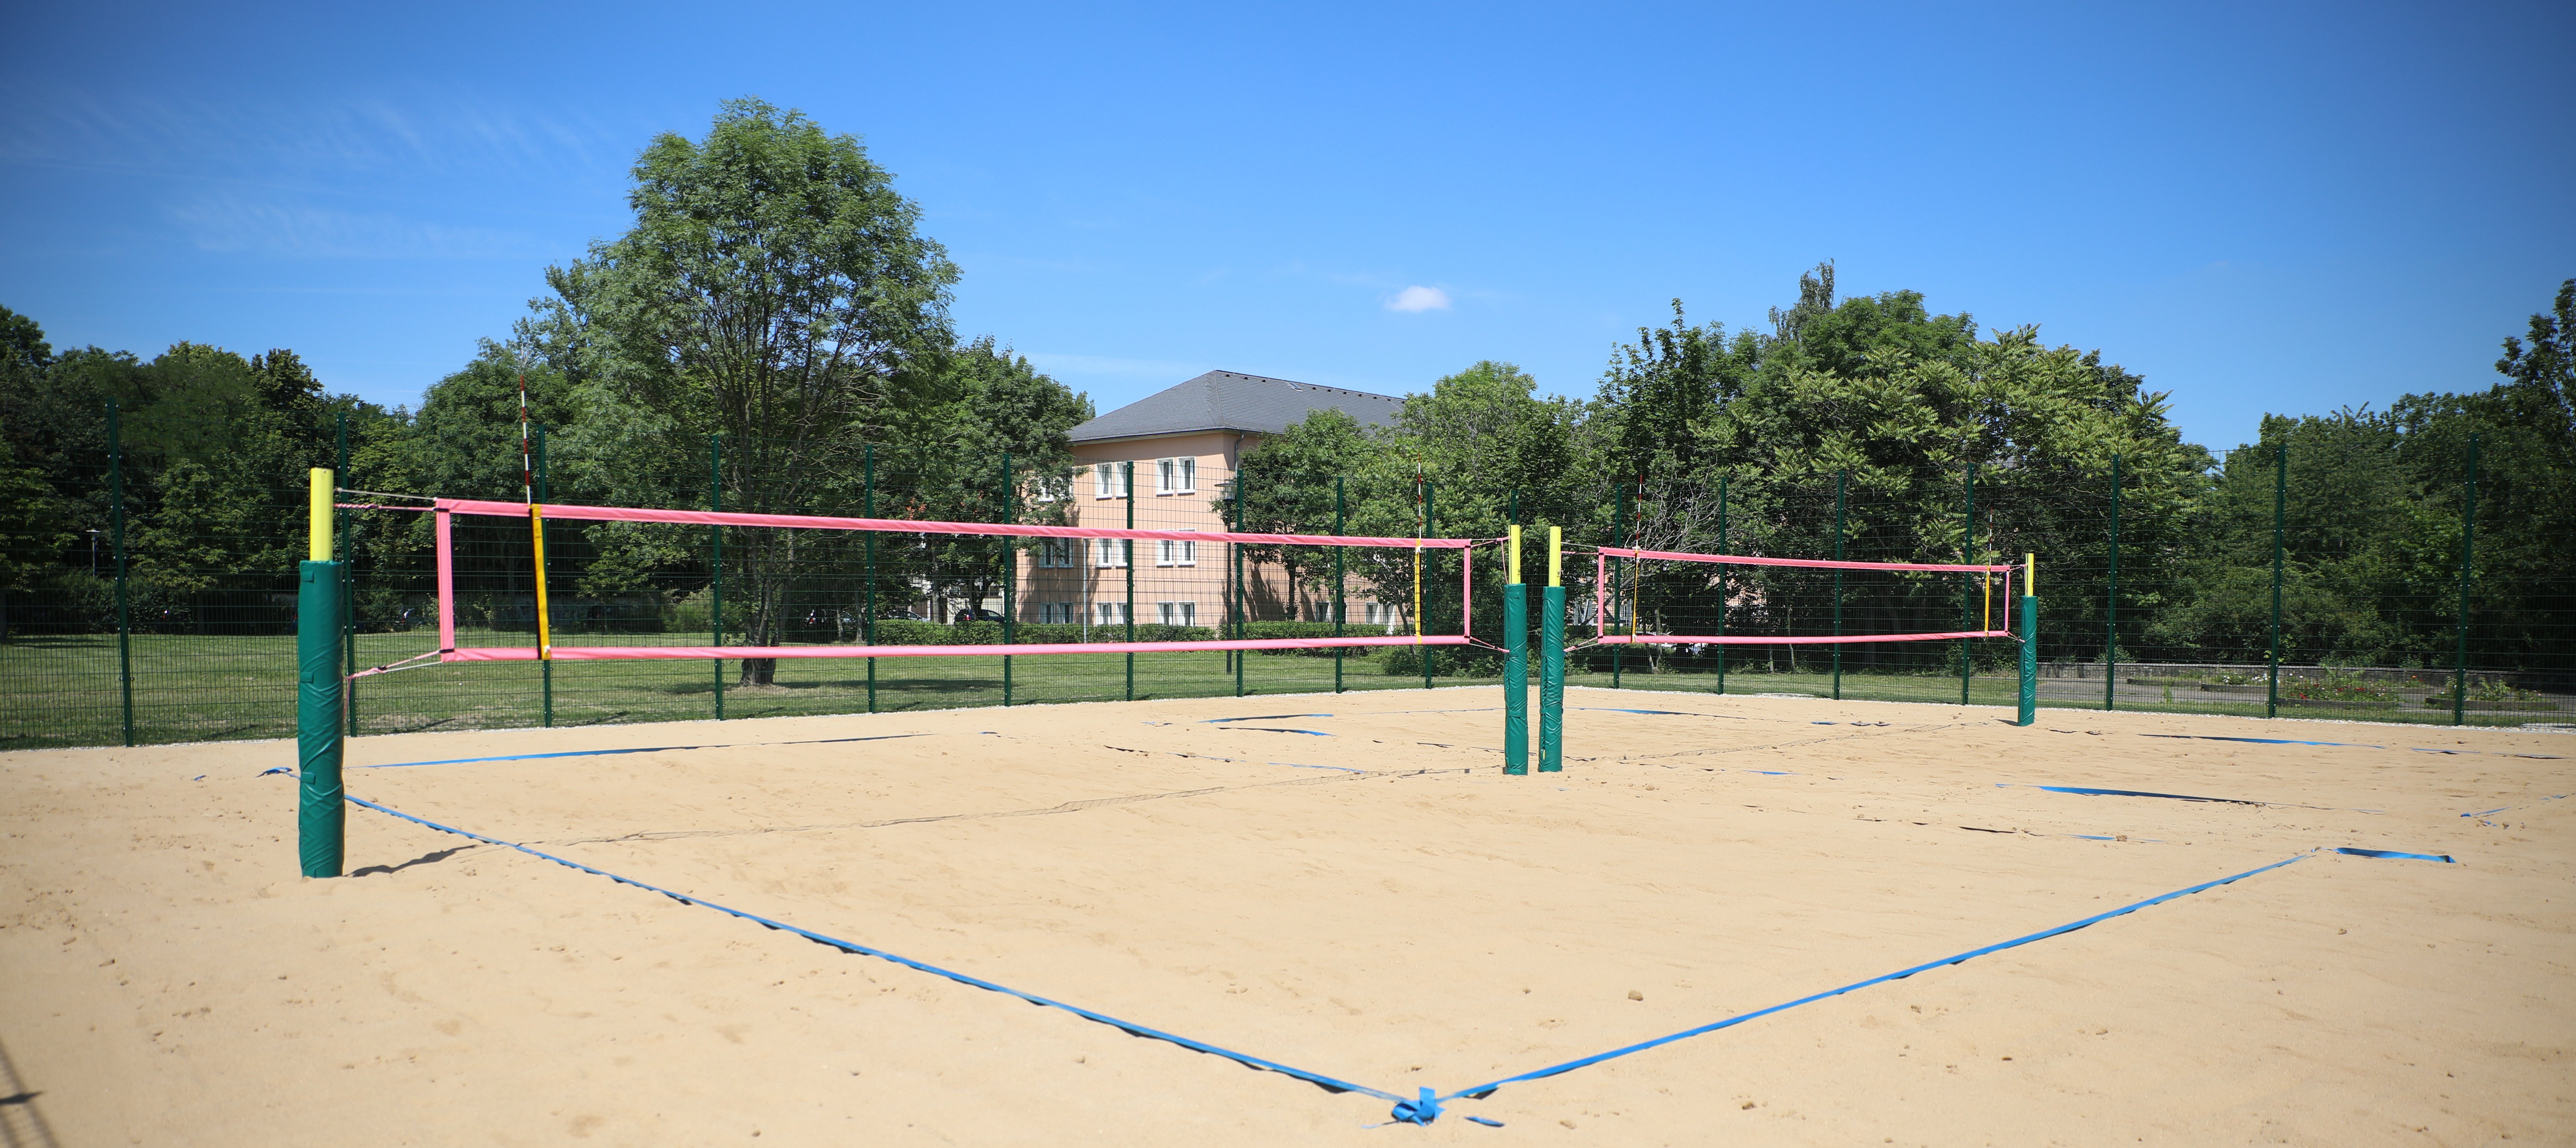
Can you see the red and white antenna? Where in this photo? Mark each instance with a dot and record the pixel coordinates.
(527, 469)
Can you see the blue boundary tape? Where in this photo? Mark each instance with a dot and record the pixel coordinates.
(2394, 855)
(1428, 1104)
(642, 749)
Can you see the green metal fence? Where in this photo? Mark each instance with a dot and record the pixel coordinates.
(2300, 583)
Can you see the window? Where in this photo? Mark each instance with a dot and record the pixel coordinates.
(1177, 475)
(1178, 613)
(1172, 552)
(1109, 613)
(1109, 480)
(1109, 553)
(1064, 612)
(1057, 551)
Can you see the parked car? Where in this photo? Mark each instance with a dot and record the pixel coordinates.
(978, 615)
(899, 614)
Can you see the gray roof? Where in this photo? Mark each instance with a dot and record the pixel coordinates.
(1227, 401)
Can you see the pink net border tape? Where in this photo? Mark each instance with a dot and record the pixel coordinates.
(1819, 563)
(615, 653)
(911, 526)
(1759, 640)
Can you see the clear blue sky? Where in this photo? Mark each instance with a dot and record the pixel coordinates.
(2260, 208)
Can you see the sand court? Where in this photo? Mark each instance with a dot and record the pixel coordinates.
(1346, 885)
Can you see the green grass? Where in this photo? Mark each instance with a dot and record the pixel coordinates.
(65, 691)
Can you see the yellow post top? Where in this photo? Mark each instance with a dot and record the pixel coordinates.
(1514, 561)
(2030, 575)
(319, 545)
(1556, 556)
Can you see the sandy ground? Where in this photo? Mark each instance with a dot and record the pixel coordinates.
(1354, 890)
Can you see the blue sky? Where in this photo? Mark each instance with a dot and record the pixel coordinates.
(2259, 208)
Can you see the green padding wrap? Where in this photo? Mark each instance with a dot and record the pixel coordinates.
(1551, 682)
(1516, 679)
(2029, 660)
(319, 809)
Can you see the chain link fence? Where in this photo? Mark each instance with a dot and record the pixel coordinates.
(2300, 581)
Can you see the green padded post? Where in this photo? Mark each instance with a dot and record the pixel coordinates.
(1515, 663)
(320, 809)
(1551, 682)
(2029, 643)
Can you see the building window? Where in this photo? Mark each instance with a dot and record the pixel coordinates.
(1174, 552)
(1177, 475)
(1067, 613)
(1109, 553)
(1110, 613)
(1109, 480)
(1054, 552)
(1178, 613)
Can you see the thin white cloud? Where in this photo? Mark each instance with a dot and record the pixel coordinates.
(1418, 298)
(293, 230)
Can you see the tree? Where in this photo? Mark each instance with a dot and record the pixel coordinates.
(775, 291)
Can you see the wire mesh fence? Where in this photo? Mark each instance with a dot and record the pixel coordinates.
(2307, 579)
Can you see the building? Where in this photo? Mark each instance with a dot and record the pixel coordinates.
(1183, 445)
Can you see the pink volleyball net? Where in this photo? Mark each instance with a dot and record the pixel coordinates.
(1673, 598)
(1439, 587)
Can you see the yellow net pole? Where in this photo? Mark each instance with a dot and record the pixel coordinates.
(545, 632)
(319, 546)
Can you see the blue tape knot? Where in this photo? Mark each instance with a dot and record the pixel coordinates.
(1421, 1110)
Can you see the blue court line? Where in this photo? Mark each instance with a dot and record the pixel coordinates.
(1428, 1105)
(1482, 1091)
(646, 749)
(1255, 717)
(1280, 729)
(2349, 745)
(2517, 805)
(2444, 858)
(2089, 791)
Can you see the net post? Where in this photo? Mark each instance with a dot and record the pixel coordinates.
(2280, 521)
(1721, 584)
(1242, 604)
(1618, 585)
(1429, 491)
(1842, 479)
(2111, 602)
(2468, 550)
(545, 634)
(116, 527)
(320, 811)
(1968, 584)
(1515, 658)
(1341, 604)
(1127, 553)
(1551, 659)
(715, 565)
(1010, 574)
(2029, 640)
(868, 541)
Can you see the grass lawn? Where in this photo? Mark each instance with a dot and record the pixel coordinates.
(65, 690)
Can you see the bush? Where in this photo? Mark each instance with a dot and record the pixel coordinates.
(901, 632)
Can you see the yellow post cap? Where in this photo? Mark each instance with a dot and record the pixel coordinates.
(1513, 550)
(1555, 556)
(319, 542)
(2029, 575)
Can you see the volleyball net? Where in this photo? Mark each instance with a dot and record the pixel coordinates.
(1675, 598)
(820, 586)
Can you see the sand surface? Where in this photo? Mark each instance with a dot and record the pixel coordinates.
(1343, 884)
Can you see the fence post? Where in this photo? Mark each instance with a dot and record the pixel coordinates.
(1842, 479)
(1968, 586)
(868, 623)
(2111, 599)
(1010, 574)
(715, 537)
(1619, 605)
(2280, 520)
(116, 527)
(2468, 549)
(348, 581)
(1429, 491)
(1127, 490)
(1341, 607)
(1721, 583)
